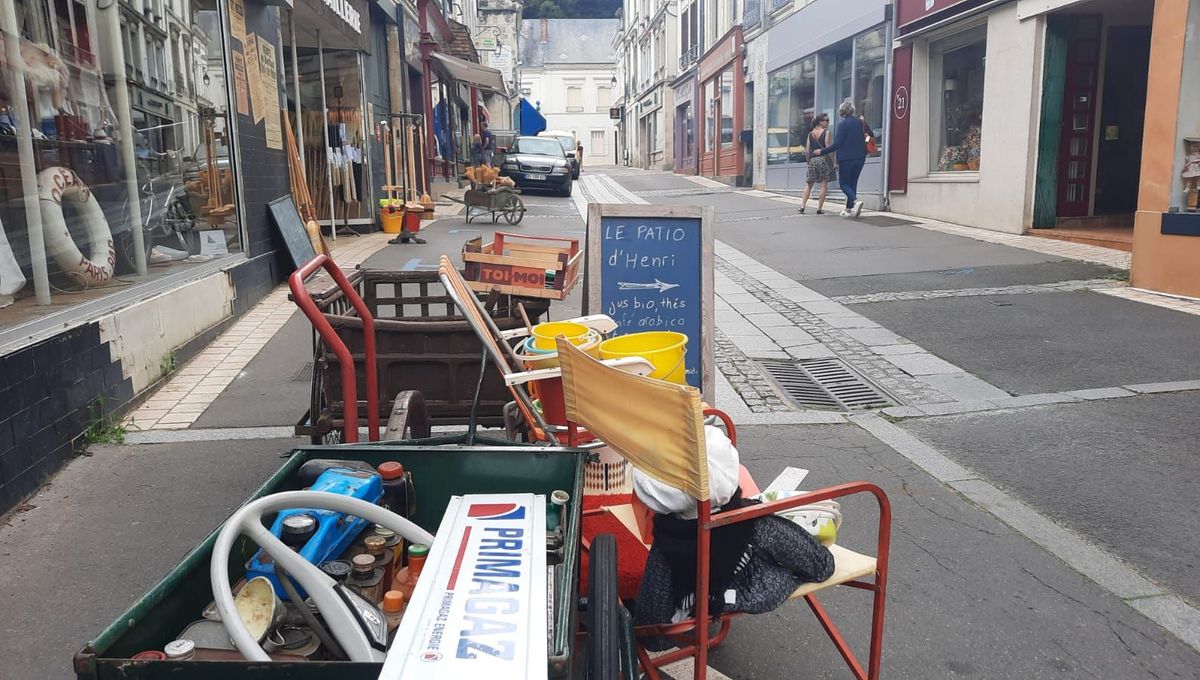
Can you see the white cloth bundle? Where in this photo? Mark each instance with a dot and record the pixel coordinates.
(723, 467)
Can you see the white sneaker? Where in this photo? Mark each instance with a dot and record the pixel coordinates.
(857, 209)
(845, 213)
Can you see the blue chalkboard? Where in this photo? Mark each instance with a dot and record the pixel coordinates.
(650, 269)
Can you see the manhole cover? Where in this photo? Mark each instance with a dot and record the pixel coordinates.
(304, 374)
(824, 384)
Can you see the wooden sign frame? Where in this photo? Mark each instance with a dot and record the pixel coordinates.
(594, 270)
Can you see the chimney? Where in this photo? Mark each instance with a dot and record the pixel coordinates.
(545, 31)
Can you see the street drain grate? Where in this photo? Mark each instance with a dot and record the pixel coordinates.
(824, 384)
(304, 374)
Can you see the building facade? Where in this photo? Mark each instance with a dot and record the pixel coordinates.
(497, 38)
(646, 49)
(141, 144)
(567, 70)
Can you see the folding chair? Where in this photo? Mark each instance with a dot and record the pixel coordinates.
(496, 346)
(658, 427)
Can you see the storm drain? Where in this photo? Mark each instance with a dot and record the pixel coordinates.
(824, 384)
(304, 374)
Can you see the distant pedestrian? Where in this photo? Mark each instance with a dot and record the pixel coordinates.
(850, 145)
(487, 143)
(821, 169)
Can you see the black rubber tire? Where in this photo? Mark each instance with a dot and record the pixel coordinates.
(566, 190)
(604, 611)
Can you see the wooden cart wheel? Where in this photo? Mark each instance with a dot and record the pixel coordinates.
(514, 209)
(603, 611)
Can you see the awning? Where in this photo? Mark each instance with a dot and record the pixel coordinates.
(467, 72)
(529, 120)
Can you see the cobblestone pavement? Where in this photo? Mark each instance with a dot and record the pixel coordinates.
(837, 341)
(1025, 289)
(747, 380)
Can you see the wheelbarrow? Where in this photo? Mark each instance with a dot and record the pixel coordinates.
(547, 642)
(499, 201)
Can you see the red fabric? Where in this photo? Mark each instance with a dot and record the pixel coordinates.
(631, 553)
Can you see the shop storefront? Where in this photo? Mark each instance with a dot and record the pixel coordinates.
(686, 158)
(1166, 238)
(721, 83)
(328, 93)
(101, 181)
(140, 144)
(451, 88)
(1068, 78)
(813, 75)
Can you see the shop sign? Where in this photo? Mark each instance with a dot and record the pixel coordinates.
(897, 155)
(614, 113)
(269, 71)
(725, 52)
(909, 11)
(347, 13)
(487, 43)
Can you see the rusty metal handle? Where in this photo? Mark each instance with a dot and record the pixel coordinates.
(331, 339)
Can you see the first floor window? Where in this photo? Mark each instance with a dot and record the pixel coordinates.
(956, 69)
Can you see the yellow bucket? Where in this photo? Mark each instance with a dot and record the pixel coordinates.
(545, 333)
(664, 349)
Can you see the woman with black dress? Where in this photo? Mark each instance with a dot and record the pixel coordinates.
(821, 168)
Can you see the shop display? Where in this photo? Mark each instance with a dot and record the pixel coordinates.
(96, 184)
(56, 186)
(1190, 173)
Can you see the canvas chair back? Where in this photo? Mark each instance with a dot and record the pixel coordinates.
(657, 426)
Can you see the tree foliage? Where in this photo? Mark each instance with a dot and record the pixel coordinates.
(571, 9)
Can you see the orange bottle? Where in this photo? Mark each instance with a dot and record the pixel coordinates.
(406, 579)
(393, 610)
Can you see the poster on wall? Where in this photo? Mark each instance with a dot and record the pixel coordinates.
(269, 71)
(239, 83)
(237, 19)
(254, 78)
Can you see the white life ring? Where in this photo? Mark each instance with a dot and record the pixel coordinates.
(56, 185)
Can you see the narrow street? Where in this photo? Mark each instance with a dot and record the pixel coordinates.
(1034, 430)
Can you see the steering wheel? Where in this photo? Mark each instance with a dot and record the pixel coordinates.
(359, 629)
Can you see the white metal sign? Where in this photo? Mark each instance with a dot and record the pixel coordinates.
(479, 609)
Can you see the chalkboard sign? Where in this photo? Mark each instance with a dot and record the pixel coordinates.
(650, 267)
(291, 229)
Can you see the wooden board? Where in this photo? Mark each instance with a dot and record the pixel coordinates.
(291, 230)
(650, 267)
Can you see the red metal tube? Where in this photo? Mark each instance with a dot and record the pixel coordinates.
(331, 339)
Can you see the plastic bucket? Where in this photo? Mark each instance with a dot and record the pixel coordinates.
(545, 333)
(391, 220)
(664, 349)
(550, 390)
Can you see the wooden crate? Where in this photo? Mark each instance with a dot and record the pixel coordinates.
(515, 264)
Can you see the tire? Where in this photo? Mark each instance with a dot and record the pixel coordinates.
(566, 190)
(604, 611)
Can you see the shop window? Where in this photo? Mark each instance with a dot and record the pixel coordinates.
(802, 98)
(727, 133)
(835, 82)
(110, 196)
(710, 115)
(870, 97)
(777, 117)
(956, 77)
(599, 147)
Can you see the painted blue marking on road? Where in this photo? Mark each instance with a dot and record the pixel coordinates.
(411, 265)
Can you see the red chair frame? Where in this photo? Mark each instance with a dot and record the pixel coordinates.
(694, 640)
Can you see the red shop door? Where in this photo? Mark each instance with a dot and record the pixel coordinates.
(1075, 152)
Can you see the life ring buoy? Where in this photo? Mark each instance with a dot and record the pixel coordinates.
(59, 184)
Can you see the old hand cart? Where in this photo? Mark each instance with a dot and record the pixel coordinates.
(500, 201)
